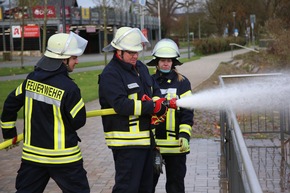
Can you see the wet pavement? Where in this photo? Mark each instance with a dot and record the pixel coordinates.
(203, 162)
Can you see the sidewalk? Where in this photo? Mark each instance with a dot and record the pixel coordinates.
(202, 163)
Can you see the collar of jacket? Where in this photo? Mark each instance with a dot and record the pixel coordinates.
(167, 76)
(125, 65)
(40, 74)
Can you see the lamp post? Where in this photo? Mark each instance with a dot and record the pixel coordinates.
(234, 15)
(159, 21)
(187, 23)
(63, 16)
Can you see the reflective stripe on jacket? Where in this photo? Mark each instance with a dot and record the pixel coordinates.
(54, 110)
(121, 86)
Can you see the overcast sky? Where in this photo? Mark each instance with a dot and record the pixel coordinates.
(86, 3)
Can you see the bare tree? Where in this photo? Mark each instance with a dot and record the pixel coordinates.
(104, 4)
(168, 11)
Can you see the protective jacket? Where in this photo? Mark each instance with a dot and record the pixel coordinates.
(53, 111)
(178, 122)
(121, 86)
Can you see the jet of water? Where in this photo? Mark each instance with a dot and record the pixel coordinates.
(267, 93)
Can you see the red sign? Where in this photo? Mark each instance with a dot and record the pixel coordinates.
(145, 32)
(31, 31)
(38, 12)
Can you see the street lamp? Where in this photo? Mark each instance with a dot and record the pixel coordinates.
(159, 21)
(234, 15)
(63, 16)
(187, 23)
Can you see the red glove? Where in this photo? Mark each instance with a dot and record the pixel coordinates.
(145, 98)
(172, 103)
(160, 108)
(155, 119)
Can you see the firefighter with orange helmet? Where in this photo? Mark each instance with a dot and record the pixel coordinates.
(53, 112)
(172, 136)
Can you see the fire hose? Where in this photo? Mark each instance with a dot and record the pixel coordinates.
(92, 113)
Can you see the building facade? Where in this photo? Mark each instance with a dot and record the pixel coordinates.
(87, 22)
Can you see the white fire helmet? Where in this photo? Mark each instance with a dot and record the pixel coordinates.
(127, 38)
(166, 48)
(63, 45)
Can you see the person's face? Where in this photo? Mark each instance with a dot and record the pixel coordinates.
(165, 63)
(128, 56)
(71, 62)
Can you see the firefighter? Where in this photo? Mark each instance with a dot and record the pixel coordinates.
(172, 136)
(53, 111)
(126, 85)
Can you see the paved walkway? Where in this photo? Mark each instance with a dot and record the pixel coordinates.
(202, 163)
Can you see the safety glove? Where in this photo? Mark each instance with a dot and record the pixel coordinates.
(15, 143)
(155, 119)
(158, 162)
(183, 143)
(160, 108)
(171, 103)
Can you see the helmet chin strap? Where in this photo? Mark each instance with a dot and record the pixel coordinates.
(122, 54)
(66, 62)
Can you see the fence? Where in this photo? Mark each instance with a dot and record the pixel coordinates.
(242, 175)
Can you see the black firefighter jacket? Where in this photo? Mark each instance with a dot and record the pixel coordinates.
(53, 111)
(178, 122)
(121, 86)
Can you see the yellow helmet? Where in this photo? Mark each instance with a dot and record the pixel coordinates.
(62, 46)
(127, 38)
(166, 48)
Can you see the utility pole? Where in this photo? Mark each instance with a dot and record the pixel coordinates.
(22, 32)
(199, 35)
(10, 23)
(187, 23)
(159, 20)
(63, 16)
(44, 27)
(105, 28)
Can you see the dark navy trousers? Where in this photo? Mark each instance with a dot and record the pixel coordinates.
(175, 168)
(134, 170)
(71, 178)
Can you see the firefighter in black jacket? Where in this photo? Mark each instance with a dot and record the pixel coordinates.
(126, 85)
(172, 136)
(53, 111)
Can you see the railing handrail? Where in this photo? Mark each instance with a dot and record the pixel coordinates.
(252, 179)
(251, 175)
(238, 45)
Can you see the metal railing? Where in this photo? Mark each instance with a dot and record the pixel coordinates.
(238, 45)
(239, 165)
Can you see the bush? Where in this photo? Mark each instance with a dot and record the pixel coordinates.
(215, 45)
(278, 30)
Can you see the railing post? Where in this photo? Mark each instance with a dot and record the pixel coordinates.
(232, 51)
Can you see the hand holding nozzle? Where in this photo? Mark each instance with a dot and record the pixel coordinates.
(171, 103)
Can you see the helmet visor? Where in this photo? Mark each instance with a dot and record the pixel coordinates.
(74, 46)
(131, 40)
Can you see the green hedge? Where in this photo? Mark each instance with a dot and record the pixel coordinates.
(216, 44)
